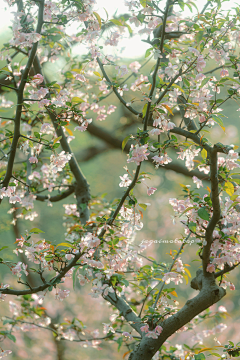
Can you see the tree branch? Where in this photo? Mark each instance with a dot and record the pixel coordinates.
(117, 144)
(126, 311)
(115, 90)
(56, 198)
(82, 191)
(20, 100)
(213, 158)
(209, 294)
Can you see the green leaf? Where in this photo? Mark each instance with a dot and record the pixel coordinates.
(124, 143)
(199, 36)
(151, 309)
(148, 52)
(77, 99)
(192, 226)
(8, 321)
(97, 74)
(74, 276)
(229, 188)
(186, 82)
(215, 354)
(237, 181)
(119, 341)
(129, 28)
(144, 110)
(65, 244)
(204, 154)
(205, 81)
(11, 337)
(219, 121)
(192, 3)
(36, 231)
(143, 3)
(199, 357)
(203, 214)
(116, 22)
(56, 140)
(125, 282)
(181, 4)
(36, 134)
(144, 206)
(98, 18)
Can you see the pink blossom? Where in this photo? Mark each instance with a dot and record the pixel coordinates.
(224, 73)
(101, 117)
(14, 198)
(126, 334)
(46, 128)
(95, 51)
(155, 132)
(33, 160)
(138, 154)
(161, 160)
(222, 309)
(113, 39)
(62, 294)
(151, 190)
(111, 109)
(81, 128)
(4, 353)
(37, 79)
(202, 118)
(220, 328)
(122, 70)
(80, 77)
(200, 77)
(42, 92)
(171, 70)
(201, 63)
(194, 51)
(145, 328)
(122, 89)
(197, 181)
(232, 286)
(152, 334)
(125, 181)
(211, 268)
(43, 102)
(82, 279)
(158, 329)
(16, 270)
(172, 276)
(135, 21)
(59, 161)
(135, 66)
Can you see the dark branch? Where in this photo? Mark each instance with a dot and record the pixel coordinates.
(115, 90)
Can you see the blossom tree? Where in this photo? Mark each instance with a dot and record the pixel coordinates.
(98, 247)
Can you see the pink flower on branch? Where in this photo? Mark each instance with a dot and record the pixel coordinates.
(197, 181)
(135, 66)
(210, 268)
(37, 79)
(151, 190)
(224, 73)
(201, 63)
(125, 181)
(33, 160)
(138, 154)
